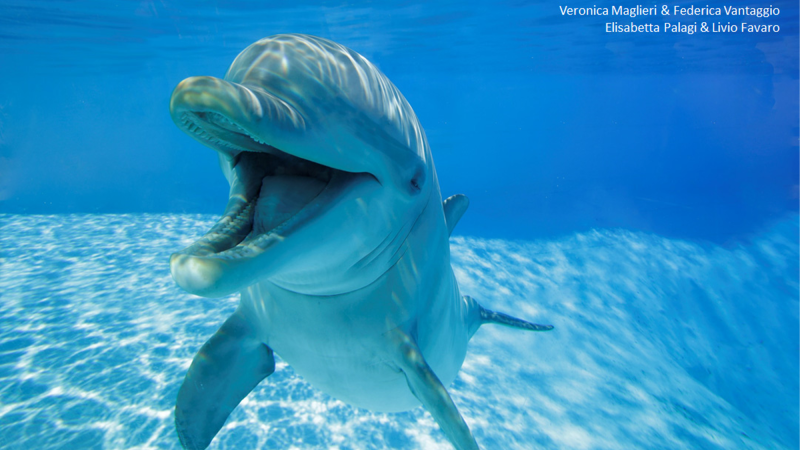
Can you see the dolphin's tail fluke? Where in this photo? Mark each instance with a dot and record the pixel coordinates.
(477, 315)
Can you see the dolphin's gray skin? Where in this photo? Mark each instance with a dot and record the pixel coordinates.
(335, 233)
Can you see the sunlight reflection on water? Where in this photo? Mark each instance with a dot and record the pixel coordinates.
(658, 344)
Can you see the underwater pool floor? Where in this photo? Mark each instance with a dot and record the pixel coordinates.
(658, 343)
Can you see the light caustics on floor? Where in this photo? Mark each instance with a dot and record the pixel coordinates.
(658, 343)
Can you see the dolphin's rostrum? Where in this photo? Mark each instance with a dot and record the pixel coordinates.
(335, 233)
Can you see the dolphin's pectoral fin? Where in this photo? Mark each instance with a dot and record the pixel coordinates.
(425, 385)
(479, 315)
(454, 208)
(222, 373)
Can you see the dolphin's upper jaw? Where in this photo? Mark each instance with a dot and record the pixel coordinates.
(272, 193)
(220, 133)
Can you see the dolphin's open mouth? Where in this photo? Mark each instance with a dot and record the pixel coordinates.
(272, 193)
(271, 187)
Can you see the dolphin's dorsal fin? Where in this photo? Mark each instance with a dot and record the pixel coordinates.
(454, 208)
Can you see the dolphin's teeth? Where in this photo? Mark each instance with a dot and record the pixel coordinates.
(228, 232)
(193, 125)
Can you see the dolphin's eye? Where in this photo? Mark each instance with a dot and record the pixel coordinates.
(418, 180)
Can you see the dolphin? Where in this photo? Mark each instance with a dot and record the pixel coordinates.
(335, 234)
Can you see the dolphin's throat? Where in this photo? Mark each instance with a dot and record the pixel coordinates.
(268, 189)
(281, 197)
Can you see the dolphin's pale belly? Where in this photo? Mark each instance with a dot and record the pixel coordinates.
(339, 343)
(365, 380)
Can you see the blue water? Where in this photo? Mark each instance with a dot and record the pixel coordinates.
(549, 124)
(640, 192)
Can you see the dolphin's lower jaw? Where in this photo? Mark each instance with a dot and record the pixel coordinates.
(272, 193)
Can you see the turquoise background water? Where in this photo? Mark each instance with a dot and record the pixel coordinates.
(640, 192)
(658, 343)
